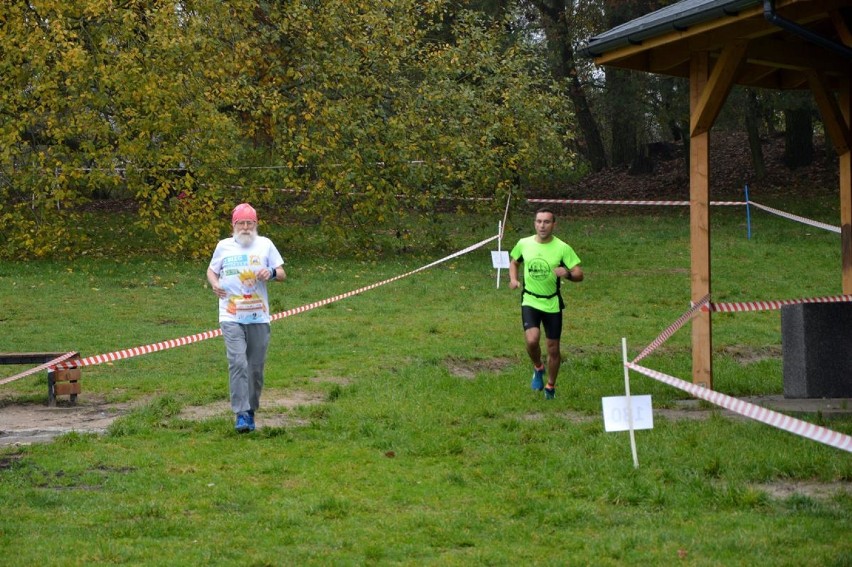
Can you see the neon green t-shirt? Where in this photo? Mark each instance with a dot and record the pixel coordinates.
(539, 262)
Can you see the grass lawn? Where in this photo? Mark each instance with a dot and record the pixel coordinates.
(428, 446)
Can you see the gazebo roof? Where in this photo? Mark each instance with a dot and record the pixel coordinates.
(786, 39)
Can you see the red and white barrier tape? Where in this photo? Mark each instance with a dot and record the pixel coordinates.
(803, 220)
(355, 193)
(316, 304)
(758, 413)
(790, 216)
(704, 305)
(772, 305)
(129, 353)
(681, 321)
(618, 202)
(137, 351)
(45, 366)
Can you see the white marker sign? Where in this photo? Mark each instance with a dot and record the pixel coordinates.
(500, 259)
(616, 417)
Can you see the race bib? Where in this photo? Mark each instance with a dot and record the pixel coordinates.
(249, 309)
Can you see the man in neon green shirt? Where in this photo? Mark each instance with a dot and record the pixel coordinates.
(547, 260)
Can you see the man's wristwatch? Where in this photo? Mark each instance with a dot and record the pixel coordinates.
(273, 276)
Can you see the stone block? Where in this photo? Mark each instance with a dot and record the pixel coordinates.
(816, 340)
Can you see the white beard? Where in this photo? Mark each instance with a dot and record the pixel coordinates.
(245, 238)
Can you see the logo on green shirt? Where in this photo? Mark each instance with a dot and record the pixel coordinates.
(538, 269)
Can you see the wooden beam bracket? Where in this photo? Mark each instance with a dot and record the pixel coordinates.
(717, 88)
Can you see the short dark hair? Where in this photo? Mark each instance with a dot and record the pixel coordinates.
(546, 210)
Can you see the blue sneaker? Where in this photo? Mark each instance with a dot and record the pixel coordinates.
(538, 379)
(251, 420)
(244, 424)
(549, 393)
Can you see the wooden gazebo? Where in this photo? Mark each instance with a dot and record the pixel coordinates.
(782, 44)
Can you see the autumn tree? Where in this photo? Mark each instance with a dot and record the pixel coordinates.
(103, 99)
(565, 24)
(186, 107)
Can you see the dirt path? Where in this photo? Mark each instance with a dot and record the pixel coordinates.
(24, 424)
(33, 423)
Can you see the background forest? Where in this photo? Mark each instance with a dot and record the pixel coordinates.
(337, 114)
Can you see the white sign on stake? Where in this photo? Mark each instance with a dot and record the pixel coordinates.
(500, 259)
(617, 418)
(628, 413)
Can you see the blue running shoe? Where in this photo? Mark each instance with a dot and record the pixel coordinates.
(251, 420)
(538, 379)
(549, 393)
(243, 424)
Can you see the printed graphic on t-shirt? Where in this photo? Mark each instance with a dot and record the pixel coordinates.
(248, 306)
(538, 269)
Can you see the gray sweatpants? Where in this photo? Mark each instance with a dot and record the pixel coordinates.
(245, 346)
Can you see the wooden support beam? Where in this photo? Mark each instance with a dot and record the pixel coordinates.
(705, 110)
(661, 61)
(757, 75)
(846, 220)
(832, 116)
(786, 55)
(699, 218)
(842, 28)
(845, 104)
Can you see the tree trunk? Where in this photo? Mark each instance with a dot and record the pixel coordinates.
(830, 159)
(621, 94)
(625, 92)
(594, 146)
(798, 137)
(752, 124)
(559, 40)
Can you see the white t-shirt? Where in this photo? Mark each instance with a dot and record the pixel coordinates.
(247, 300)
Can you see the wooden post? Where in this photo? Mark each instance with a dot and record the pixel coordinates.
(699, 226)
(837, 118)
(63, 382)
(846, 192)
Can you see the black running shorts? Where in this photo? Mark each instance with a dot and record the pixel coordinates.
(532, 318)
